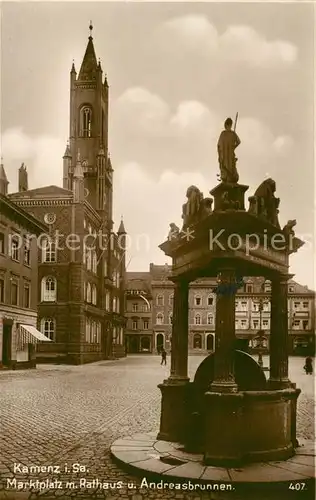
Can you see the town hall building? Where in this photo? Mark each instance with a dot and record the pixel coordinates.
(81, 259)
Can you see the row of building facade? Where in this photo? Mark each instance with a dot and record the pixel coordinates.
(149, 303)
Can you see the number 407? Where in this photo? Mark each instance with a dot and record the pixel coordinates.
(297, 486)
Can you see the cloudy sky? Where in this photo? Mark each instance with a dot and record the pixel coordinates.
(176, 71)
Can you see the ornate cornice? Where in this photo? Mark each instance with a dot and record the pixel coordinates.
(43, 203)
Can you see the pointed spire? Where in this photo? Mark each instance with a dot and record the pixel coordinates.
(89, 64)
(121, 229)
(3, 180)
(106, 81)
(73, 69)
(67, 151)
(101, 151)
(78, 173)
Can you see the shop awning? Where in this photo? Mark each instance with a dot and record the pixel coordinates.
(28, 334)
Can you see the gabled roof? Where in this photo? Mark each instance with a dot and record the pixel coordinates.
(43, 192)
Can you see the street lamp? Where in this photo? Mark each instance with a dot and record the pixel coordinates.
(260, 335)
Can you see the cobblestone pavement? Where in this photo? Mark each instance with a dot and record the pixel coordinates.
(57, 415)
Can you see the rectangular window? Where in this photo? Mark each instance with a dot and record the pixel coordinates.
(296, 323)
(49, 252)
(297, 305)
(135, 325)
(26, 297)
(146, 325)
(14, 293)
(15, 248)
(2, 243)
(305, 305)
(27, 252)
(1, 290)
(198, 301)
(135, 307)
(243, 324)
(265, 323)
(255, 323)
(305, 324)
(210, 301)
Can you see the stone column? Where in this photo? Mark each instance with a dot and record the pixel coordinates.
(279, 376)
(180, 332)
(175, 402)
(224, 378)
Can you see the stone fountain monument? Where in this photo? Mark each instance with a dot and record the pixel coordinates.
(230, 415)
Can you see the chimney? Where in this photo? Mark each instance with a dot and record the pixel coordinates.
(23, 181)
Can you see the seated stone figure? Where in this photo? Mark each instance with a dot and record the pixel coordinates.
(174, 231)
(264, 204)
(191, 208)
(196, 208)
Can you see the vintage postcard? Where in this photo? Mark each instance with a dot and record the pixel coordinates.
(157, 258)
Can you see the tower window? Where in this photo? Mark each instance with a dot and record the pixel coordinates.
(85, 121)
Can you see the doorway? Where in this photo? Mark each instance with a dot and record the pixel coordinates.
(7, 343)
(210, 342)
(160, 341)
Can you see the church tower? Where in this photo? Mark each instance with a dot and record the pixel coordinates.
(88, 134)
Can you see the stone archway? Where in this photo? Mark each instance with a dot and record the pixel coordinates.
(210, 343)
(160, 341)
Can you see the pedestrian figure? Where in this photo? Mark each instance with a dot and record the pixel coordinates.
(163, 357)
(308, 367)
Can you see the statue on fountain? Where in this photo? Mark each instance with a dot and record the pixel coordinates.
(227, 143)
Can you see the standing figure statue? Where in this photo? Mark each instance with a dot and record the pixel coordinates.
(227, 143)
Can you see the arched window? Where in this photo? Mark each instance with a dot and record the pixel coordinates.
(159, 300)
(94, 262)
(159, 319)
(197, 319)
(48, 327)
(210, 319)
(49, 289)
(171, 299)
(94, 295)
(88, 330)
(210, 300)
(102, 125)
(49, 251)
(107, 301)
(198, 300)
(88, 292)
(197, 341)
(89, 259)
(98, 332)
(85, 121)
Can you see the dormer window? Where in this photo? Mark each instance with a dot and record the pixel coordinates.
(85, 121)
